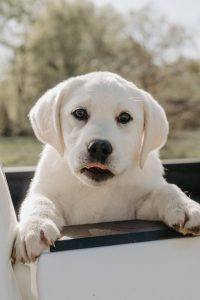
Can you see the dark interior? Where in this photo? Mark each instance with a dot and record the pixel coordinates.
(185, 174)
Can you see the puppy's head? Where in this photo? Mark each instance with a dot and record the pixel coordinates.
(101, 124)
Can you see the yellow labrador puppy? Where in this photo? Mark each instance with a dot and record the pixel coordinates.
(100, 162)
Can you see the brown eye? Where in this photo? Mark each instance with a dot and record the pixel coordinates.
(124, 118)
(80, 114)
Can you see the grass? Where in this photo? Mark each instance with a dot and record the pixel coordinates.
(19, 151)
(182, 144)
(24, 151)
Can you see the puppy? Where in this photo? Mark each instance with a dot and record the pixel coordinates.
(100, 162)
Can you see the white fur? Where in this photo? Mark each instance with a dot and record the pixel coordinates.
(60, 195)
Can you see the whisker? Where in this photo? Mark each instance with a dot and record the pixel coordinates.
(136, 98)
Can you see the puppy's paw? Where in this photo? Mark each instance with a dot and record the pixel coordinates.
(33, 237)
(184, 217)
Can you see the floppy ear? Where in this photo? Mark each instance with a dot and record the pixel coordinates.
(156, 127)
(45, 118)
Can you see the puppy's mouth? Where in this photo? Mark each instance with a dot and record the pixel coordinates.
(97, 172)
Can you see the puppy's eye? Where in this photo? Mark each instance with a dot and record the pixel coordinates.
(81, 114)
(124, 118)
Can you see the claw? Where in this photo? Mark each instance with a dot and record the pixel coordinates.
(13, 261)
(33, 258)
(22, 260)
(13, 254)
(194, 230)
(186, 219)
(44, 239)
(53, 244)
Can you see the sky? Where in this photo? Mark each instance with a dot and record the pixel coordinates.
(186, 13)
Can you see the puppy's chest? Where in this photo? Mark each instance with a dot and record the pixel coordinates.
(92, 206)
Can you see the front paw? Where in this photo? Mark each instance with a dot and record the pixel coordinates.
(33, 237)
(184, 217)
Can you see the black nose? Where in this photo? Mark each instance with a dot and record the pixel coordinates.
(99, 150)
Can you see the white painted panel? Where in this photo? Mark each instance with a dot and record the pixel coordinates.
(8, 224)
(158, 270)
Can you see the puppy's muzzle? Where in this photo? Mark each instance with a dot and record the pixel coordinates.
(99, 150)
(97, 169)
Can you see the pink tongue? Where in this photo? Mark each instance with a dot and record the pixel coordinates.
(97, 165)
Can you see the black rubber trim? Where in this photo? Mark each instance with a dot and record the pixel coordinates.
(117, 239)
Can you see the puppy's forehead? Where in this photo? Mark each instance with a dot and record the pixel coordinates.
(105, 89)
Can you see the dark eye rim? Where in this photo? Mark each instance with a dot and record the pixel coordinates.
(129, 119)
(84, 117)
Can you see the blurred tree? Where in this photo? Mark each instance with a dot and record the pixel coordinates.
(16, 18)
(178, 89)
(69, 38)
(77, 37)
(5, 122)
(164, 40)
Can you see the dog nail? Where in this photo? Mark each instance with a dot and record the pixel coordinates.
(13, 260)
(22, 260)
(33, 258)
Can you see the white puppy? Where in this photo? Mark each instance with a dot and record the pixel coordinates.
(100, 163)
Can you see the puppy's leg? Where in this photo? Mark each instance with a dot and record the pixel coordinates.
(171, 205)
(39, 227)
